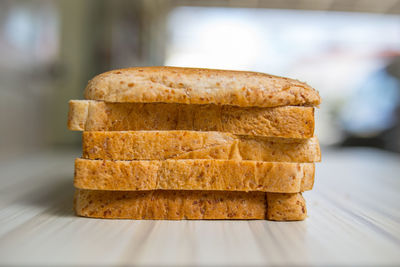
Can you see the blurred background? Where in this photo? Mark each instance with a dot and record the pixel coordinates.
(349, 50)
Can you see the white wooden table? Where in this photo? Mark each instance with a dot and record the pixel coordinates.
(354, 219)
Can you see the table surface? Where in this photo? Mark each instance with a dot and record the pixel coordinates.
(354, 219)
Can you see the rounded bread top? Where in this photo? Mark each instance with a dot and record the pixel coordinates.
(200, 86)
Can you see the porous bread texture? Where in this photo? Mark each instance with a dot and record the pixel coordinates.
(170, 205)
(195, 205)
(200, 174)
(199, 86)
(161, 145)
(285, 122)
(279, 149)
(286, 207)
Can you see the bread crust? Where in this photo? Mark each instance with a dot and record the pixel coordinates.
(201, 174)
(284, 122)
(162, 145)
(178, 205)
(199, 86)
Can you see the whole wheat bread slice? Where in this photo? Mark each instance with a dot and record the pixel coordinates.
(178, 205)
(285, 122)
(162, 145)
(199, 86)
(189, 174)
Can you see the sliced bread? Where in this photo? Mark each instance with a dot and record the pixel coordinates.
(161, 145)
(195, 205)
(285, 122)
(200, 174)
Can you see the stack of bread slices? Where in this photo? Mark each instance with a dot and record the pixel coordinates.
(183, 143)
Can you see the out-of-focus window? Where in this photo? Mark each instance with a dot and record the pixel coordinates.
(337, 53)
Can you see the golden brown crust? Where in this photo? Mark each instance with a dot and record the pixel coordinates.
(162, 145)
(199, 86)
(285, 122)
(202, 174)
(178, 205)
(286, 207)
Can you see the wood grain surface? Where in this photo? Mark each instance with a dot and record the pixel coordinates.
(354, 219)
